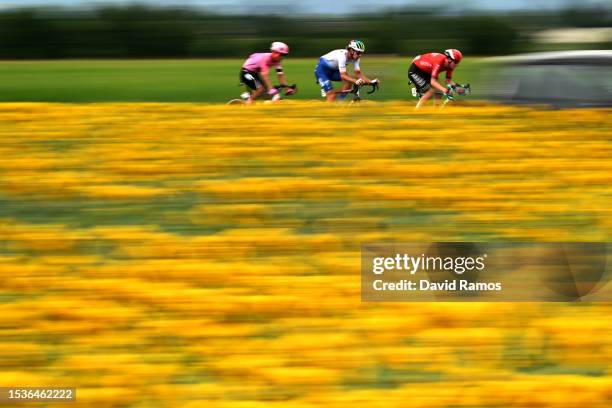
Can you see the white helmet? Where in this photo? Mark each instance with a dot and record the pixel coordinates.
(280, 47)
(356, 45)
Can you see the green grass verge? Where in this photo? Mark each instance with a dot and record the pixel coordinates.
(181, 80)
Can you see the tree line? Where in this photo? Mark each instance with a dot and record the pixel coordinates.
(136, 31)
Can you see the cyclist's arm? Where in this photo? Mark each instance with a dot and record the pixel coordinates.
(281, 78)
(264, 73)
(437, 85)
(346, 77)
(358, 74)
(435, 71)
(449, 81)
(343, 72)
(266, 80)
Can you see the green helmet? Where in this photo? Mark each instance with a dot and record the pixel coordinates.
(356, 45)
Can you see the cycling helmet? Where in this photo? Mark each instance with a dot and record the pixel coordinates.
(356, 45)
(280, 47)
(454, 54)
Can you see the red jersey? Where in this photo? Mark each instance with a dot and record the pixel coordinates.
(433, 63)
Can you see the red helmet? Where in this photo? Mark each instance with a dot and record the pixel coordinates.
(454, 54)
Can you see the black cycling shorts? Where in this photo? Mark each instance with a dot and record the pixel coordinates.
(250, 79)
(420, 79)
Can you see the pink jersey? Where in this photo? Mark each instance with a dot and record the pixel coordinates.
(261, 62)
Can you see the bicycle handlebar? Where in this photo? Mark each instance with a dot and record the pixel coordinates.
(467, 89)
(373, 88)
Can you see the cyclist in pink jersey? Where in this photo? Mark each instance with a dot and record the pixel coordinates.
(256, 69)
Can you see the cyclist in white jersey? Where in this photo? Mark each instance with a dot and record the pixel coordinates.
(333, 67)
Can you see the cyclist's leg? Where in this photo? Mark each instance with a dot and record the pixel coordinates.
(325, 76)
(324, 79)
(426, 96)
(257, 92)
(253, 82)
(346, 85)
(331, 96)
(422, 82)
(437, 98)
(336, 77)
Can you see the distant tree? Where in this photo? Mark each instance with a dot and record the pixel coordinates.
(139, 31)
(485, 35)
(587, 17)
(27, 34)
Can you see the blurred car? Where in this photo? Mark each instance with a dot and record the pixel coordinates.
(560, 79)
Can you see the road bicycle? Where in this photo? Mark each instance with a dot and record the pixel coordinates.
(282, 91)
(458, 90)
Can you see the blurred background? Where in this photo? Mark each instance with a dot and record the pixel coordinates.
(213, 28)
(182, 33)
(202, 255)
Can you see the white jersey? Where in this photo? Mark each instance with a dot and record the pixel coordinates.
(337, 60)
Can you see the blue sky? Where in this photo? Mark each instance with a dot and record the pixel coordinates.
(323, 6)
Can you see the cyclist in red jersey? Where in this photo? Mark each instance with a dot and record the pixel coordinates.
(426, 68)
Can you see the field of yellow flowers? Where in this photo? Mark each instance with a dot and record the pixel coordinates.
(182, 255)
